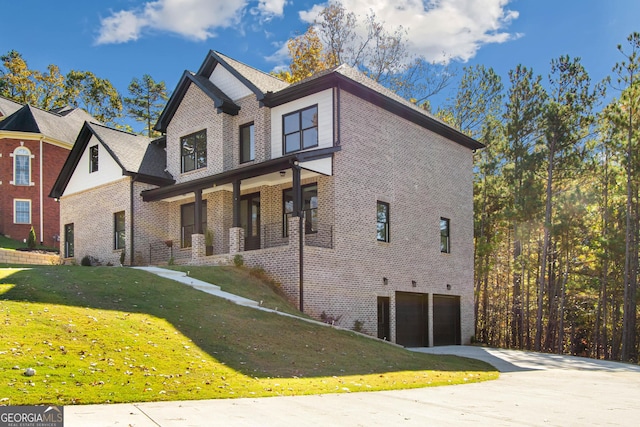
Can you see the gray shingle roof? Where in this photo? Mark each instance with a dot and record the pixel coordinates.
(263, 81)
(8, 107)
(134, 153)
(63, 128)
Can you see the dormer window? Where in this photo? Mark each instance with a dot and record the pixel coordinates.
(193, 151)
(93, 159)
(21, 166)
(300, 129)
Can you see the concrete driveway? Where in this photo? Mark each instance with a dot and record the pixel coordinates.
(533, 390)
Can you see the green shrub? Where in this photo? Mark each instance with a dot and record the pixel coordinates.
(86, 261)
(238, 261)
(31, 241)
(122, 255)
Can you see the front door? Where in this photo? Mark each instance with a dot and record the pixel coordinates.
(68, 240)
(250, 220)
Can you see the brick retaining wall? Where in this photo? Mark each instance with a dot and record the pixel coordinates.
(8, 256)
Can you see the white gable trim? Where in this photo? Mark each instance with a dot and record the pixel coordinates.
(228, 83)
(108, 170)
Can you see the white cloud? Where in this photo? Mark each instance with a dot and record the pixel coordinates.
(194, 19)
(437, 29)
(271, 7)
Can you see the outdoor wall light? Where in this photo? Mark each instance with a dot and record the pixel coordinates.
(448, 287)
(385, 281)
(283, 173)
(413, 283)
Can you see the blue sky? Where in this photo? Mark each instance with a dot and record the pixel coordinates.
(122, 39)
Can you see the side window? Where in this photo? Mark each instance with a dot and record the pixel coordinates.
(193, 151)
(445, 246)
(21, 166)
(247, 143)
(300, 129)
(383, 222)
(118, 230)
(68, 240)
(22, 211)
(93, 159)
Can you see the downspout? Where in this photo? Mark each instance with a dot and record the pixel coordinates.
(338, 115)
(41, 198)
(131, 228)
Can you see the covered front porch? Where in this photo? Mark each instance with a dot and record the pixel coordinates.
(252, 208)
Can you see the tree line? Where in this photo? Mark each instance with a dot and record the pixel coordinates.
(83, 89)
(556, 190)
(556, 205)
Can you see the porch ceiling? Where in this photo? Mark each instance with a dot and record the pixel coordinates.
(265, 173)
(271, 179)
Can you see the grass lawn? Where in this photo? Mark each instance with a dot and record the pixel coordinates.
(112, 334)
(7, 243)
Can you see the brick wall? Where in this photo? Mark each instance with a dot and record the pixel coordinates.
(423, 177)
(92, 214)
(53, 157)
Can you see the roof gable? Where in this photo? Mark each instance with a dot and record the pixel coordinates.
(221, 85)
(21, 121)
(136, 155)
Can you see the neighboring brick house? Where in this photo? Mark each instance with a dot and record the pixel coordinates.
(359, 203)
(34, 145)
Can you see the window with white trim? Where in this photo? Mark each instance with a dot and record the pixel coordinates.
(21, 211)
(21, 166)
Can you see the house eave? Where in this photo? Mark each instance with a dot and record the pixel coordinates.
(241, 173)
(335, 79)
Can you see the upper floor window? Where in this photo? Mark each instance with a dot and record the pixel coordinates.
(444, 236)
(21, 166)
(309, 208)
(22, 211)
(247, 143)
(193, 149)
(300, 129)
(118, 230)
(93, 159)
(382, 229)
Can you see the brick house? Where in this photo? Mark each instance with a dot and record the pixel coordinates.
(34, 145)
(356, 201)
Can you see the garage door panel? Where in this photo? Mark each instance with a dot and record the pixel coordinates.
(446, 320)
(411, 319)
